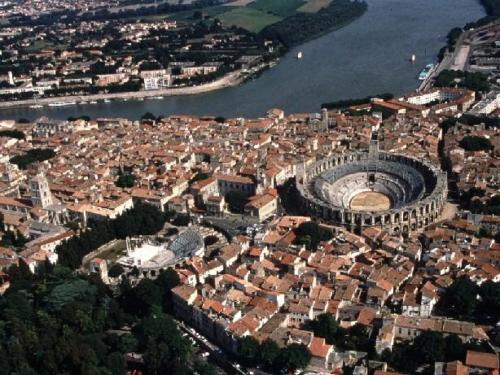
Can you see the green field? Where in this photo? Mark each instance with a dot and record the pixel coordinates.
(312, 6)
(281, 8)
(248, 18)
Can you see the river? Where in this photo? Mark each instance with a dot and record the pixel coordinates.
(369, 56)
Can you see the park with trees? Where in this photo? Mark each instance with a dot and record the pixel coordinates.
(57, 321)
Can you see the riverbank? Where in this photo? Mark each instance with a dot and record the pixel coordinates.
(351, 62)
(228, 80)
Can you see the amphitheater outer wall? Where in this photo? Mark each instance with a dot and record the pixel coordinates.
(401, 220)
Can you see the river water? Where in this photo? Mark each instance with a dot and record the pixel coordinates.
(369, 56)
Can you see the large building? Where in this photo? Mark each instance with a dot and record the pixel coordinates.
(374, 188)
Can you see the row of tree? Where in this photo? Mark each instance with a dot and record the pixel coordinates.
(341, 104)
(32, 156)
(475, 143)
(12, 134)
(472, 81)
(271, 357)
(300, 27)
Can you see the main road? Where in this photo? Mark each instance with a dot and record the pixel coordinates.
(369, 56)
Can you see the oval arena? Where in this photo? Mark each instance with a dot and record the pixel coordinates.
(365, 188)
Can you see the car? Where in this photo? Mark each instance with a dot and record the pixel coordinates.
(205, 354)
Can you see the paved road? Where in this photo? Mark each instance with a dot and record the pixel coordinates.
(447, 62)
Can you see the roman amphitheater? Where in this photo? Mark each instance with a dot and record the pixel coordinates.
(373, 188)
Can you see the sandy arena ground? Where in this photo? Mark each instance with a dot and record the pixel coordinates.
(370, 201)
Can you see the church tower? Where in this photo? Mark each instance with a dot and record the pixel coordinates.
(40, 191)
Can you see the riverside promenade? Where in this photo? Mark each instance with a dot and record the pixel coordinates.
(228, 80)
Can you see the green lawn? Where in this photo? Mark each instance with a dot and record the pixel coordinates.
(281, 8)
(248, 18)
(312, 6)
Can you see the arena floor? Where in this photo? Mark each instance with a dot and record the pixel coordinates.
(370, 201)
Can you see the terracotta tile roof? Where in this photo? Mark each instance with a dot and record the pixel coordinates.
(482, 360)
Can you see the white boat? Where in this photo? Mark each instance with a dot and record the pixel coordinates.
(61, 104)
(299, 55)
(93, 102)
(426, 72)
(35, 106)
(107, 100)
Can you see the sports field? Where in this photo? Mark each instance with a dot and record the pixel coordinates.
(370, 201)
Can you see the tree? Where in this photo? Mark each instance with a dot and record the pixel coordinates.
(12, 134)
(311, 234)
(489, 292)
(125, 180)
(355, 338)
(148, 116)
(166, 281)
(325, 325)
(294, 356)
(200, 176)
(454, 348)
(116, 363)
(475, 143)
(236, 201)
(269, 352)
(460, 297)
(165, 350)
(210, 240)
(248, 351)
(429, 346)
(141, 299)
(205, 368)
(115, 270)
